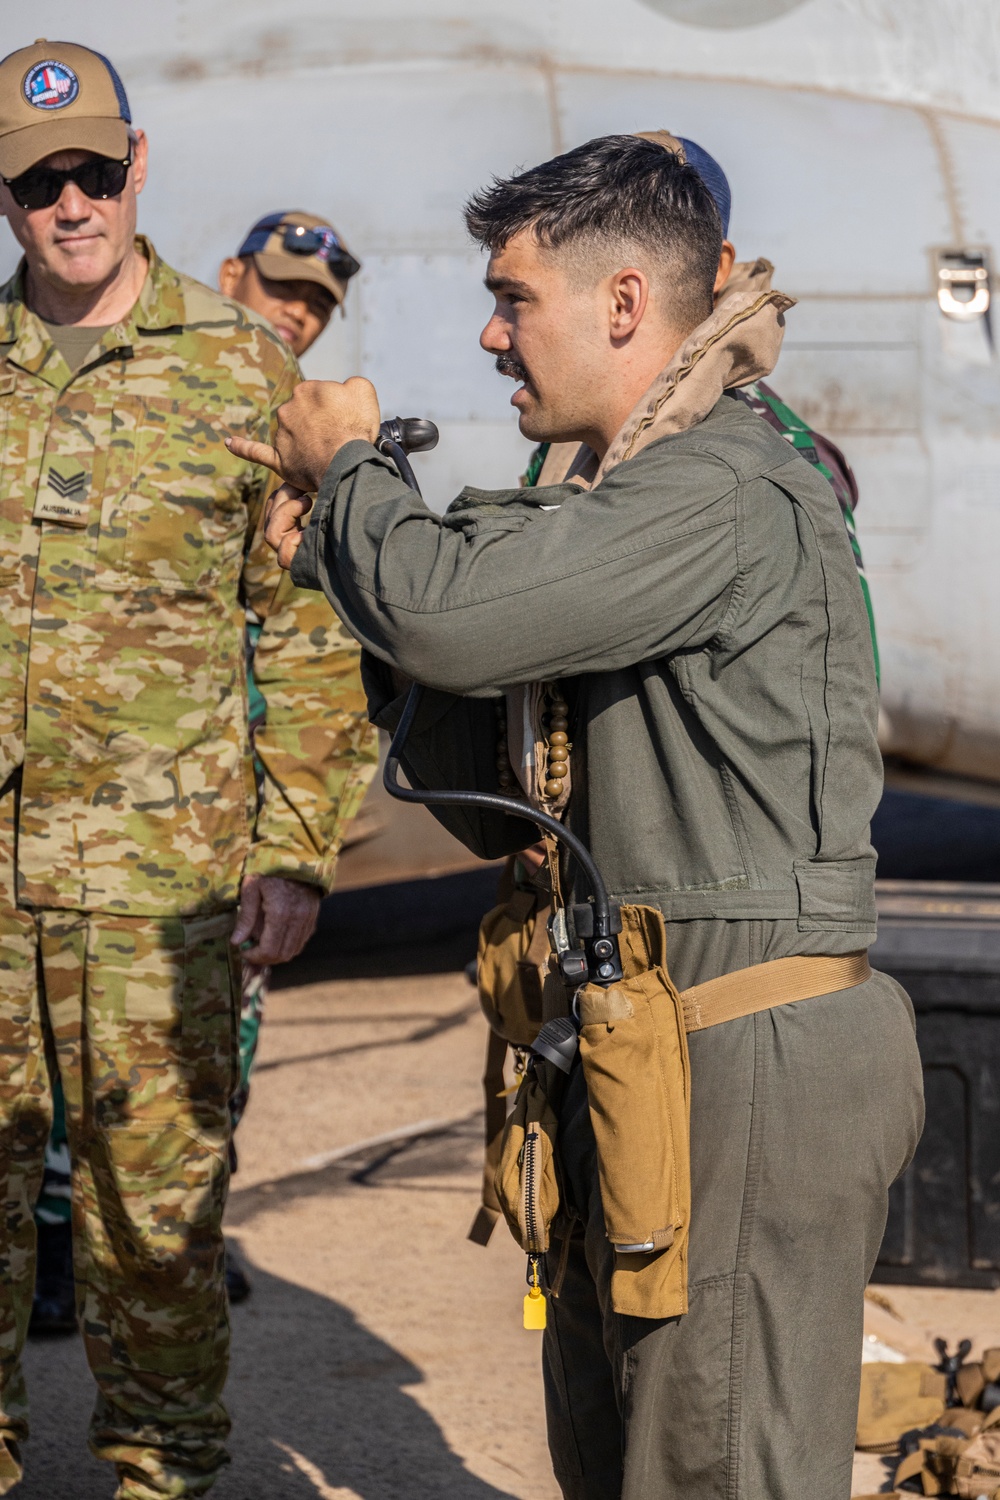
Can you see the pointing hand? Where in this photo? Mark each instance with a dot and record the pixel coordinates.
(320, 418)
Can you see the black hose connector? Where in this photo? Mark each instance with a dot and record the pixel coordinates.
(398, 436)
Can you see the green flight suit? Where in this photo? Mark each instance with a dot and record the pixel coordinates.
(701, 610)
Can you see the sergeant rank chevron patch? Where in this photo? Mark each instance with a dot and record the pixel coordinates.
(66, 485)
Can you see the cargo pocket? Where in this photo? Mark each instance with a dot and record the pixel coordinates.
(161, 1195)
(211, 1008)
(162, 1018)
(633, 1047)
(162, 1000)
(836, 894)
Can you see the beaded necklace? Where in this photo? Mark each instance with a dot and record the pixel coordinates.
(557, 743)
(555, 725)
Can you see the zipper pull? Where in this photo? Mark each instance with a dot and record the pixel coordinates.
(534, 1302)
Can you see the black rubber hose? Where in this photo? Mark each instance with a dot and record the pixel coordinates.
(494, 801)
(398, 455)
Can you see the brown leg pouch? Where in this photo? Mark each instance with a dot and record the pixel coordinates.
(633, 1046)
(526, 1184)
(511, 968)
(513, 957)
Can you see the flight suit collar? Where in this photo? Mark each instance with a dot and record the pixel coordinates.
(739, 342)
(24, 340)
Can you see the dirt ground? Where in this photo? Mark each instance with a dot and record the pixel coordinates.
(381, 1355)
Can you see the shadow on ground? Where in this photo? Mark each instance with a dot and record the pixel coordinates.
(420, 1160)
(382, 931)
(321, 1408)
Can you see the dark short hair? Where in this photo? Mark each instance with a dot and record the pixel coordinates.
(615, 190)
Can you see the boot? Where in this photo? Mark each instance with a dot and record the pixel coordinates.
(53, 1310)
(238, 1283)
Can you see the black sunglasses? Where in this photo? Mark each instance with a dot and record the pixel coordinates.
(300, 239)
(40, 187)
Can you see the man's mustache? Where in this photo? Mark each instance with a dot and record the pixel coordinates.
(509, 364)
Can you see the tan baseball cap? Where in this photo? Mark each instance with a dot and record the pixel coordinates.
(295, 246)
(58, 96)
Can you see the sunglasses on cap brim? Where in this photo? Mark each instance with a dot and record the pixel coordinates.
(320, 242)
(40, 187)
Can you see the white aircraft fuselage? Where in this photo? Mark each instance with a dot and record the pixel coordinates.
(862, 142)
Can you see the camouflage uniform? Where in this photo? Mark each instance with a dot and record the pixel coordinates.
(130, 547)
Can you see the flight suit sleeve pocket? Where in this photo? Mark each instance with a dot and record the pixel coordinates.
(836, 893)
(475, 512)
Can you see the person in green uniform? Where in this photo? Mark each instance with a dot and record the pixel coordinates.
(524, 873)
(687, 603)
(818, 450)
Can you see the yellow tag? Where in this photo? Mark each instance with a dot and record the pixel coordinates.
(534, 1309)
(519, 1072)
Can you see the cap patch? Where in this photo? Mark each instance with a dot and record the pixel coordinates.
(51, 85)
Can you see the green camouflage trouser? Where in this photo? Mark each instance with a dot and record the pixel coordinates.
(138, 1017)
(53, 1206)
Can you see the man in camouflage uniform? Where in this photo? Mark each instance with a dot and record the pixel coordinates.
(292, 269)
(129, 827)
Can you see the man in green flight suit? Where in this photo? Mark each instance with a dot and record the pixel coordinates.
(817, 449)
(130, 545)
(693, 602)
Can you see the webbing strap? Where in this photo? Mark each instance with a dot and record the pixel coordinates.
(746, 991)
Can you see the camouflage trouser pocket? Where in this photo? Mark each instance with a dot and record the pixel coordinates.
(155, 1280)
(163, 1017)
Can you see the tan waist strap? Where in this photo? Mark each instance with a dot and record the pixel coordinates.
(746, 991)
